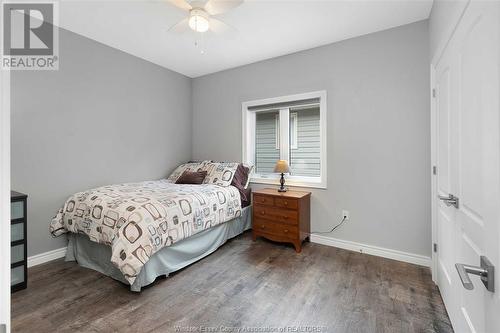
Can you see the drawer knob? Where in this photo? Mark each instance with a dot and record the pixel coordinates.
(285, 231)
(263, 200)
(286, 203)
(263, 227)
(285, 217)
(263, 213)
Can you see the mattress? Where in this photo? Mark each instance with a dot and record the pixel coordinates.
(167, 260)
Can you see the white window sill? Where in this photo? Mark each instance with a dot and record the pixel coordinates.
(298, 182)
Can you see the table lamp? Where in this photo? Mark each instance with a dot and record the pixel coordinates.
(282, 167)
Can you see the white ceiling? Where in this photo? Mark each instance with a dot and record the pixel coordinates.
(264, 29)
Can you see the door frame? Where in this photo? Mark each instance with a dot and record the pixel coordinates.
(5, 198)
(434, 227)
(436, 57)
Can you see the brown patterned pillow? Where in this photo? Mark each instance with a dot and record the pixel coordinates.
(240, 176)
(239, 181)
(249, 174)
(189, 177)
(190, 166)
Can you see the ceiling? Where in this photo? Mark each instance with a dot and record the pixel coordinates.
(263, 29)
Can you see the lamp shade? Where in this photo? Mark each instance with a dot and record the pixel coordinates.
(281, 167)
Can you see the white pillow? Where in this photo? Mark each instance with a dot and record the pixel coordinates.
(219, 173)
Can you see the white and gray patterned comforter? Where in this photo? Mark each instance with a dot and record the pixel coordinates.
(138, 219)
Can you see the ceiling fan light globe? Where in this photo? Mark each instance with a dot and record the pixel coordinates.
(198, 21)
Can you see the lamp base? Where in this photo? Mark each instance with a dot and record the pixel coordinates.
(282, 183)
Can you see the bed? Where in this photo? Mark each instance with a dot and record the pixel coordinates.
(136, 232)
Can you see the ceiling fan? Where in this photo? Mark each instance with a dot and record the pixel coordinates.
(201, 15)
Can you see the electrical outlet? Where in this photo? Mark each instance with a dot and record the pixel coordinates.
(345, 214)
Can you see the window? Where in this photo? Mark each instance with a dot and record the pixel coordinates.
(267, 145)
(291, 128)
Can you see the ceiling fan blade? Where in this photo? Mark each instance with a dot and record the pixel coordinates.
(179, 27)
(216, 7)
(218, 26)
(182, 4)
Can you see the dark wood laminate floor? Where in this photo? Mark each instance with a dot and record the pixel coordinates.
(243, 284)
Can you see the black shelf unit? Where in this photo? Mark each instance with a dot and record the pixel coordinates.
(18, 223)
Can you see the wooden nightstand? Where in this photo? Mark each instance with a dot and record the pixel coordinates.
(282, 216)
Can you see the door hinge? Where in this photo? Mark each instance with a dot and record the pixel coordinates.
(434, 170)
(433, 93)
(435, 247)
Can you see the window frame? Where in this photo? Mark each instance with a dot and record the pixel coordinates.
(277, 133)
(248, 139)
(294, 138)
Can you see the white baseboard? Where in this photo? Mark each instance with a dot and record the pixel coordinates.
(42, 258)
(373, 250)
(417, 259)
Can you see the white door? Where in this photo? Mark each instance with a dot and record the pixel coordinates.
(467, 144)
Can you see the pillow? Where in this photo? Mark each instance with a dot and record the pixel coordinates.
(249, 173)
(191, 166)
(243, 173)
(239, 181)
(246, 198)
(189, 177)
(219, 173)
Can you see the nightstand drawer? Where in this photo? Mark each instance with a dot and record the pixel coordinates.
(286, 203)
(17, 275)
(276, 214)
(16, 210)
(17, 253)
(16, 232)
(278, 229)
(263, 200)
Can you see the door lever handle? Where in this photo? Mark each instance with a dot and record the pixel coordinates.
(486, 272)
(450, 200)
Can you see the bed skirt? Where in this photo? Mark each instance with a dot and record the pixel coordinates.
(96, 256)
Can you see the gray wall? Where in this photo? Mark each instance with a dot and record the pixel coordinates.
(105, 117)
(378, 129)
(444, 16)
